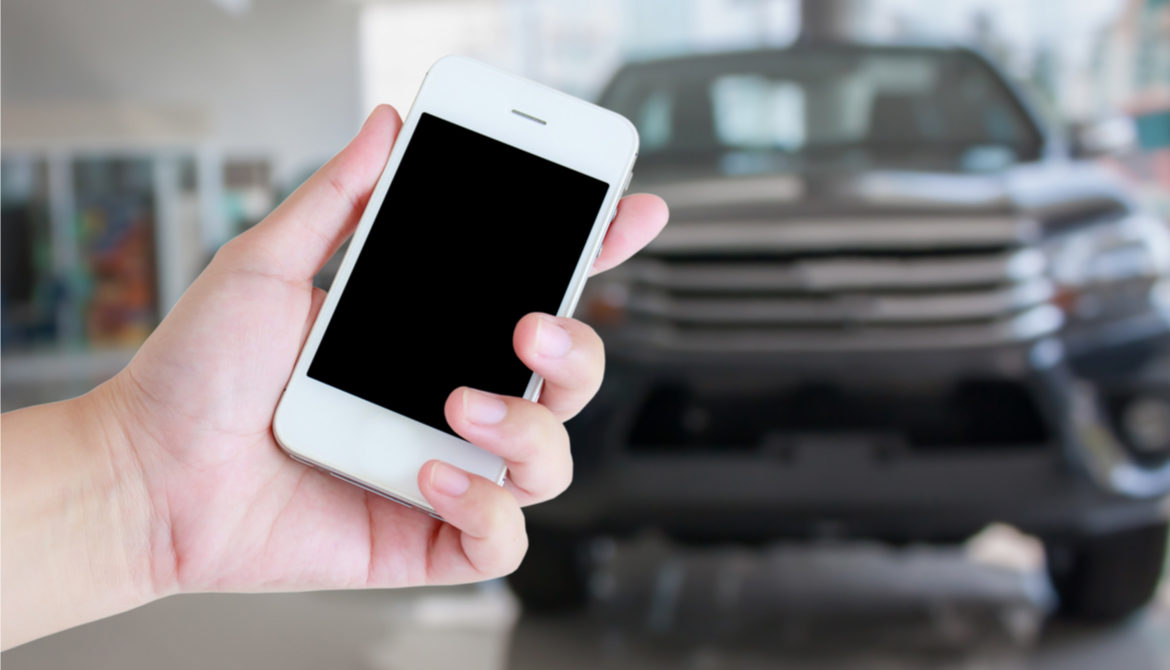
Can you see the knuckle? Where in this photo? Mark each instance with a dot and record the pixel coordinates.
(535, 428)
(509, 544)
(588, 337)
(494, 518)
(517, 547)
(587, 376)
(584, 373)
(560, 475)
(556, 488)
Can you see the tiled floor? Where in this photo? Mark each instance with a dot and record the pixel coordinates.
(838, 607)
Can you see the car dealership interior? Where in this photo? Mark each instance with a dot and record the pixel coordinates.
(891, 389)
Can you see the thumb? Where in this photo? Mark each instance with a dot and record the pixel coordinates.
(300, 235)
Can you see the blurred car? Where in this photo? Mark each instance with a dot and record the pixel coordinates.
(888, 305)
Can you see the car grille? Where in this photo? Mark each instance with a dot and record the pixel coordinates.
(840, 284)
(982, 413)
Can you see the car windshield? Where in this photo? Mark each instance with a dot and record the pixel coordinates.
(812, 108)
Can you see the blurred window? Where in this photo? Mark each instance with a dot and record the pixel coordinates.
(248, 192)
(809, 107)
(753, 111)
(27, 291)
(115, 237)
(653, 122)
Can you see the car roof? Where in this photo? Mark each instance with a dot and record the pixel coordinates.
(739, 56)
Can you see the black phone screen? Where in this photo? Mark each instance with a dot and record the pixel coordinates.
(472, 235)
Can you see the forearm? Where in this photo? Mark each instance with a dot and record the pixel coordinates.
(76, 519)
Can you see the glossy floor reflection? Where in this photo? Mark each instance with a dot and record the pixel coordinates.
(830, 606)
(823, 606)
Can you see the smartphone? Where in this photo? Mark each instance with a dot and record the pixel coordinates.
(493, 204)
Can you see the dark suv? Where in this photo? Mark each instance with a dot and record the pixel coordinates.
(888, 305)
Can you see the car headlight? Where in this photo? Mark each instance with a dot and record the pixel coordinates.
(1112, 269)
(1146, 421)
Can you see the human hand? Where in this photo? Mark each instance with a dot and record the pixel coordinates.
(238, 513)
(206, 500)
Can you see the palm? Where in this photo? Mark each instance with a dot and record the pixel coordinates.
(241, 513)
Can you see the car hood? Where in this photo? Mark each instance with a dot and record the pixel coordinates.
(1050, 192)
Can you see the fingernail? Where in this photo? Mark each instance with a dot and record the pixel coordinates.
(449, 480)
(483, 408)
(552, 340)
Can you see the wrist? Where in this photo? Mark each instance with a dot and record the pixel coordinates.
(119, 446)
(77, 517)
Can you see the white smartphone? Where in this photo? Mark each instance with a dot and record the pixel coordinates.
(493, 204)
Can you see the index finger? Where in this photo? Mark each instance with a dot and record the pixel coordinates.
(640, 217)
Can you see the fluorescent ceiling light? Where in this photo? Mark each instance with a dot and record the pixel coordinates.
(234, 7)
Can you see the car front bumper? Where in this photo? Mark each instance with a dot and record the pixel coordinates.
(1081, 479)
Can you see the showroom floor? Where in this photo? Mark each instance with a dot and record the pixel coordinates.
(836, 606)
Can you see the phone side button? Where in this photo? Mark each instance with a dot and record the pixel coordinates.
(374, 491)
(404, 504)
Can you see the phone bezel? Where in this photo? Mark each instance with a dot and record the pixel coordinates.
(346, 436)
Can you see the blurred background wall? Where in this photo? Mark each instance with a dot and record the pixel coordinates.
(277, 80)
